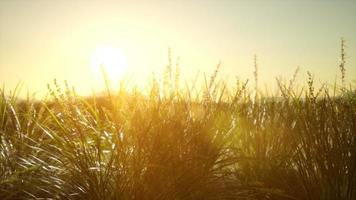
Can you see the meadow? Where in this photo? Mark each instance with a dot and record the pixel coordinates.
(183, 143)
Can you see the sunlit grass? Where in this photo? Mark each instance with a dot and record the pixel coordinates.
(174, 142)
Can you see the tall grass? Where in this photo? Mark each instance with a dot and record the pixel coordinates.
(171, 143)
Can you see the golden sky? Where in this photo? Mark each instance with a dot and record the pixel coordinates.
(41, 40)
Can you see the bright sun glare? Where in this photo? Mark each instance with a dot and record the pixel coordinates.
(112, 60)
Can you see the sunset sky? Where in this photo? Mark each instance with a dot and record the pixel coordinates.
(41, 40)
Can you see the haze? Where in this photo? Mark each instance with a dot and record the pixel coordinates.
(42, 40)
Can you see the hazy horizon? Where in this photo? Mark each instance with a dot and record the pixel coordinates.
(43, 40)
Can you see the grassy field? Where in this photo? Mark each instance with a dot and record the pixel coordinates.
(216, 142)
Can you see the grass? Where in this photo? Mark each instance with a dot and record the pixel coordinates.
(172, 143)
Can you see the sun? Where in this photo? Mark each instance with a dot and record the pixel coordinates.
(109, 60)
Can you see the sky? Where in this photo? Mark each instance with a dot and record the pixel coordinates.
(44, 40)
